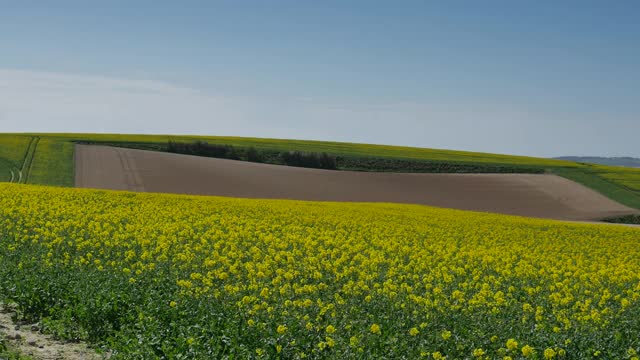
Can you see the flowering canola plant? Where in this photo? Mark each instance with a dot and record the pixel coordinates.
(167, 276)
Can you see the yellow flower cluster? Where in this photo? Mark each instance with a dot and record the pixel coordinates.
(332, 279)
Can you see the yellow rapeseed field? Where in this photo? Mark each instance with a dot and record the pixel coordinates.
(165, 276)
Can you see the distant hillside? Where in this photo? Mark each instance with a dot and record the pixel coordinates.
(612, 161)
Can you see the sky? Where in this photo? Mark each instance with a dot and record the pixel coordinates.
(539, 78)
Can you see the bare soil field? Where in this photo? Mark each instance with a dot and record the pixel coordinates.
(543, 196)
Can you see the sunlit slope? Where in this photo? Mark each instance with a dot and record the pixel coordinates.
(228, 277)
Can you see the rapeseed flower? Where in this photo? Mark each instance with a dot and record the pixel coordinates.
(330, 329)
(527, 351)
(512, 344)
(549, 353)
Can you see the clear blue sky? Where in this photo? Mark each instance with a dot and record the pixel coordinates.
(544, 78)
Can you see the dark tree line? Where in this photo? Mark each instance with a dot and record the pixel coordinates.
(326, 161)
(201, 148)
(309, 160)
(290, 158)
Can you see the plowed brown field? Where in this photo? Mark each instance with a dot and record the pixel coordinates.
(544, 196)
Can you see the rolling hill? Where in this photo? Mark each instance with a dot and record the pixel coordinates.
(48, 159)
(611, 161)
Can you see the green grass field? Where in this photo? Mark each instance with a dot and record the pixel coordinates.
(53, 163)
(47, 159)
(14, 156)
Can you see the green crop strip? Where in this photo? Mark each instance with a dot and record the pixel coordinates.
(53, 163)
(627, 177)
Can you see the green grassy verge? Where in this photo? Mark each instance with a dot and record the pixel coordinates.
(627, 177)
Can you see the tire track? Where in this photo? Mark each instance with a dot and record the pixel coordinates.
(132, 177)
(113, 168)
(27, 162)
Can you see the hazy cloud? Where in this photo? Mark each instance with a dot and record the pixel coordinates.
(51, 102)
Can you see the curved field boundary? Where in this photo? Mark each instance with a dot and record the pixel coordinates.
(613, 190)
(544, 196)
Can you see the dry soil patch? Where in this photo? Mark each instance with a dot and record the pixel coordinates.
(28, 340)
(543, 196)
